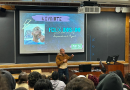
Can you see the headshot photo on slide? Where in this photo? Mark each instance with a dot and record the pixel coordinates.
(34, 34)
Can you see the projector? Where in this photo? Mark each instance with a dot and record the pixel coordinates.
(89, 9)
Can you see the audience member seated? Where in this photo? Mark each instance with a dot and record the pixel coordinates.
(64, 79)
(4, 83)
(72, 77)
(49, 77)
(119, 73)
(111, 82)
(81, 76)
(103, 74)
(21, 88)
(80, 84)
(33, 77)
(127, 81)
(10, 79)
(22, 80)
(57, 84)
(43, 76)
(93, 78)
(43, 84)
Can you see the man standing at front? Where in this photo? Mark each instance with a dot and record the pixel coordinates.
(61, 61)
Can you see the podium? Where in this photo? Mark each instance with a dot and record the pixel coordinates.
(109, 68)
(114, 67)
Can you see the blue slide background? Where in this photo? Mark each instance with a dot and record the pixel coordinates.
(53, 43)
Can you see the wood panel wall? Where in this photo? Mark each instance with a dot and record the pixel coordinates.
(8, 7)
(127, 67)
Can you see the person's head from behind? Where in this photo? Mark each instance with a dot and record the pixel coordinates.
(33, 77)
(102, 77)
(55, 75)
(21, 88)
(103, 70)
(111, 82)
(80, 84)
(4, 84)
(49, 77)
(72, 77)
(93, 78)
(43, 76)
(64, 79)
(62, 51)
(23, 77)
(127, 79)
(119, 73)
(36, 32)
(43, 84)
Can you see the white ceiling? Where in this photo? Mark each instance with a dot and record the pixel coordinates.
(120, 2)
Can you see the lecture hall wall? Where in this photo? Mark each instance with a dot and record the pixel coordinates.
(126, 67)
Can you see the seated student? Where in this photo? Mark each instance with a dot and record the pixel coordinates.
(22, 81)
(4, 83)
(49, 77)
(80, 83)
(10, 78)
(81, 76)
(119, 73)
(103, 71)
(72, 77)
(93, 78)
(21, 88)
(64, 79)
(127, 81)
(57, 84)
(43, 76)
(43, 84)
(33, 77)
(111, 82)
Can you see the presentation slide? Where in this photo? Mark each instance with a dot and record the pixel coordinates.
(48, 32)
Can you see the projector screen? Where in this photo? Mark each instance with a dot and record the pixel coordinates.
(47, 32)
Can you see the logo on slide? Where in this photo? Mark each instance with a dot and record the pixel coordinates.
(76, 46)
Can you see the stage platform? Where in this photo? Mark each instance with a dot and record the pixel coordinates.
(47, 65)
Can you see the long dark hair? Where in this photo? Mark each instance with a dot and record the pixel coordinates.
(119, 73)
(127, 79)
(23, 77)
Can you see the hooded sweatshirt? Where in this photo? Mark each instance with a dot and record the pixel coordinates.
(102, 76)
(110, 82)
(58, 85)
